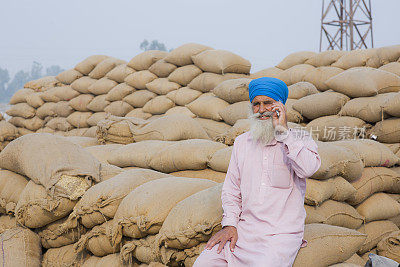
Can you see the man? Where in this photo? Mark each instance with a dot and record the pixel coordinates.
(264, 189)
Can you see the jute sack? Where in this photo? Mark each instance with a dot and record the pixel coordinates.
(8, 132)
(63, 93)
(118, 108)
(50, 95)
(62, 109)
(357, 58)
(138, 80)
(219, 161)
(158, 105)
(386, 131)
(296, 58)
(21, 247)
(337, 160)
(182, 55)
(11, 187)
(138, 113)
(319, 75)
(102, 152)
(375, 232)
(221, 61)
(42, 84)
(20, 96)
(52, 236)
(193, 220)
(103, 67)
(59, 165)
(318, 191)
(184, 75)
(393, 67)
(183, 96)
(101, 201)
(234, 112)
(295, 74)
(98, 103)
(91, 132)
(273, 72)
(119, 92)
(44, 130)
(89, 63)
(35, 208)
(240, 127)
(388, 54)
(79, 119)
(139, 98)
(319, 105)
(143, 211)
(208, 174)
(102, 86)
(162, 69)
(364, 82)
(23, 131)
(180, 110)
(378, 206)
(207, 81)
(162, 86)
(82, 141)
(136, 154)
(334, 127)
(334, 244)
(63, 256)
(371, 152)
(208, 107)
(370, 109)
(334, 213)
(389, 246)
(69, 76)
(46, 110)
(80, 102)
(392, 105)
(301, 89)
(95, 118)
(108, 171)
(233, 91)
(7, 222)
(325, 58)
(21, 110)
(119, 73)
(291, 114)
(59, 124)
(185, 155)
(213, 128)
(82, 85)
(109, 260)
(35, 100)
(144, 60)
(76, 132)
(355, 260)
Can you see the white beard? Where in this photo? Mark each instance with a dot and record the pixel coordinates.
(261, 130)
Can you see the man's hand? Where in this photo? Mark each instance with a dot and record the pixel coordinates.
(227, 233)
(281, 120)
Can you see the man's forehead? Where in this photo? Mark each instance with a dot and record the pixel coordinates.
(263, 98)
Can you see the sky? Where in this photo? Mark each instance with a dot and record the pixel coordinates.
(61, 32)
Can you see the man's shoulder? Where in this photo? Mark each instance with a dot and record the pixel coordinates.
(242, 138)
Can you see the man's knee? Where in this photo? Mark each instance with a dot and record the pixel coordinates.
(210, 258)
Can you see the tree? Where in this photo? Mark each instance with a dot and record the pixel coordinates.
(36, 70)
(154, 45)
(20, 78)
(53, 70)
(4, 79)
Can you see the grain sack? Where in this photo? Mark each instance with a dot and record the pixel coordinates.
(79, 119)
(213, 128)
(139, 98)
(232, 113)
(182, 55)
(162, 86)
(208, 107)
(21, 110)
(138, 113)
(20, 96)
(63, 93)
(183, 96)
(389, 246)
(89, 63)
(118, 108)
(357, 58)
(184, 75)
(102, 152)
(301, 89)
(291, 114)
(392, 105)
(102, 86)
(185, 155)
(355, 260)
(119, 92)
(46, 110)
(388, 54)
(162, 68)
(334, 213)
(69, 76)
(240, 127)
(50, 95)
(82, 85)
(21, 247)
(139, 79)
(375, 232)
(8, 131)
(296, 58)
(319, 105)
(318, 191)
(295, 74)
(325, 58)
(17, 122)
(333, 127)
(103, 67)
(95, 118)
(342, 189)
(91, 132)
(158, 105)
(80, 102)
(62, 109)
(101, 201)
(108, 171)
(144, 60)
(143, 250)
(63, 256)
(42, 84)
(35, 100)
(59, 165)
(35, 208)
(378, 206)
(273, 72)
(98, 103)
(23, 131)
(233, 91)
(319, 75)
(180, 110)
(11, 187)
(109, 260)
(143, 211)
(82, 140)
(59, 124)
(186, 227)
(119, 73)
(395, 147)
(76, 132)
(336, 160)
(7, 222)
(51, 236)
(364, 82)
(207, 81)
(208, 174)
(32, 124)
(387, 131)
(393, 67)
(334, 244)
(219, 161)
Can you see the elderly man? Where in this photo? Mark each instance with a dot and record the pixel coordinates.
(264, 189)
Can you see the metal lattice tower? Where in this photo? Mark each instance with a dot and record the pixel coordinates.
(346, 25)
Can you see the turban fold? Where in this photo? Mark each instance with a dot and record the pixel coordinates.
(271, 87)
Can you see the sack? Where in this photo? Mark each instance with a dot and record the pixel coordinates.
(63, 256)
(62, 109)
(182, 55)
(82, 141)
(119, 73)
(118, 108)
(386, 131)
(21, 110)
(82, 85)
(232, 113)
(213, 128)
(42, 84)
(162, 68)
(183, 96)
(296, 58)
(21, 247)
(69, 76)
(393, 67)
(98, 103)
(208, 107)
(325, 58)
(80, 102)
(208, 174)
(103, 67)
(158, 105)
(318, 191)
(228, 138)
(139, 98)
(295, 74)
(342, 189)
(102, 86)
(138, 113)
(7, 222)
(79, 119)
(233, 91)
(184, 75)
(119, 92)
(144, 60)
(291, 114)
(138, 80)
(95, 118)
(102, 152)
(301, 89)
(180, 110)
(61, 93)
(319, 75)
(59, 124)
(11, 187)
(219, 161)
(375, 231)
(207, 81)
(389, 246)
(162, 86)
(221, 61)
(89, 63)
(268, 72)
(35, 100)
(108, 171)
(46, 110)
(392, 105)
(358, 58)
(378, 206)
(8, 132)
(20, 96)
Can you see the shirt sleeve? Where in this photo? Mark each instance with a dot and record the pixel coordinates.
(231, 196)
(302, 152)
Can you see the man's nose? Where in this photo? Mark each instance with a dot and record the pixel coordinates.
(263, 108)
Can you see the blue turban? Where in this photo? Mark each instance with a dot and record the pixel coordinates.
(271, 87)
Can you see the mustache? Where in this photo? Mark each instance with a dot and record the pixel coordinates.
(258, 115)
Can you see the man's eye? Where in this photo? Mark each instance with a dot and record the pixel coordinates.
(256, 104)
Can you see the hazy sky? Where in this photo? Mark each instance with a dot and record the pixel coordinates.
(65, 32)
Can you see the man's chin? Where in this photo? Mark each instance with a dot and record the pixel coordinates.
(263, 118)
